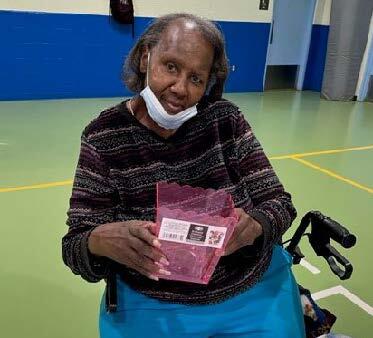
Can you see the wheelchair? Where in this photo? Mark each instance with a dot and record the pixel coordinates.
(318, 322)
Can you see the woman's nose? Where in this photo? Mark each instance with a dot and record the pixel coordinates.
(179, 87)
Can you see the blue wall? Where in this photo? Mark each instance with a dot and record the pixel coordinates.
(47, 55)
(247, 50)
(316, 58)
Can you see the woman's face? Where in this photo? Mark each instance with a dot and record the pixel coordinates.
(180, 66)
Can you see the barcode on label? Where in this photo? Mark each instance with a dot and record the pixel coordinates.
(169, 235)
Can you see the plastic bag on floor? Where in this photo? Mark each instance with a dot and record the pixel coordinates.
(318, 322)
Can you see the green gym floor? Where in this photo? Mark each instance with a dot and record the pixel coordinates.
(321, 150)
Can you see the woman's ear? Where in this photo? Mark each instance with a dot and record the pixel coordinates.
(216, 91)
(210, 84)
(144, 60)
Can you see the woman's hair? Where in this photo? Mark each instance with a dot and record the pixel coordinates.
(135, 80)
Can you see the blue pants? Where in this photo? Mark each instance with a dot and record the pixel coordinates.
(270, 309)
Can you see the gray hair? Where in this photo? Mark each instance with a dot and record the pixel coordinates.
(135, 80)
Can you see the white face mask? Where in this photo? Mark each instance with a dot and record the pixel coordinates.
(158, 113)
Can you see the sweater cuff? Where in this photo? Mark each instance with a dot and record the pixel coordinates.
(263, 240)
(97, 267)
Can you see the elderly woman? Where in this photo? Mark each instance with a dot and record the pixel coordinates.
(177, 128)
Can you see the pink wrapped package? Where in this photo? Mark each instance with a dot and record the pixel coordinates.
(194, 226)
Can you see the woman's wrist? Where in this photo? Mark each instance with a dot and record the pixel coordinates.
(94, 243)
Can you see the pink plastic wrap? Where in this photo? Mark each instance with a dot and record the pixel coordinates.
(193, 226)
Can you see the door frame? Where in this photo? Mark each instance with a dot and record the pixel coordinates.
(301, 71)
(366, 67)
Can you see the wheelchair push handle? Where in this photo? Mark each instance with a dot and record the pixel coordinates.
(323, 229)
(337, 231)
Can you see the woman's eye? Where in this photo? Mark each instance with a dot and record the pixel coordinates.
(195, 79)
(171, 67)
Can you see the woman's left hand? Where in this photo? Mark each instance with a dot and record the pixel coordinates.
(245, 232)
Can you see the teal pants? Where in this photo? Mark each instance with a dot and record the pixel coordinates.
(270, 309)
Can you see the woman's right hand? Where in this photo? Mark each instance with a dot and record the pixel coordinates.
(130, 243)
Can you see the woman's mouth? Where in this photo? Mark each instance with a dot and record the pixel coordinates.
(173, 107)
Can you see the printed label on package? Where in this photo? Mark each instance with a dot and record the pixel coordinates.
(175, 230)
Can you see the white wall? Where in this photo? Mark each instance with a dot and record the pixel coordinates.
(322, 12)
(233, 10)
(66, 6)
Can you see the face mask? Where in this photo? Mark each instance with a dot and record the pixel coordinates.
(158, 113)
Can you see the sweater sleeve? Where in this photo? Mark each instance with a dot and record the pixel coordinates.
(93, 202)
(272, 206)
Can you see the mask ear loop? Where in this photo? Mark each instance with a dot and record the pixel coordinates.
(147, 70)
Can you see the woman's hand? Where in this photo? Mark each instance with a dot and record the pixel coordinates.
(245, 232)
(130, 243)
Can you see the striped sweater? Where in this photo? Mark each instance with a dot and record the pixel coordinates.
(119, 165)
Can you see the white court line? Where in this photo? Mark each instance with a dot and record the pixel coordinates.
(340, 290)
(309, 266)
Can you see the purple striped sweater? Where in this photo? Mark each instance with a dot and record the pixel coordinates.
(119, 165)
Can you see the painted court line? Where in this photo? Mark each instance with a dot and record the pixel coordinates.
(309, 267)
(38, 186)
(340, 290)
(322, 152)
(291, 156)
(333, 174)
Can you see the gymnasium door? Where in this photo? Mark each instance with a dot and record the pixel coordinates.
(289, 43)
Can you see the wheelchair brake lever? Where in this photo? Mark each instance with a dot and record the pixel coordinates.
(332, 256)
(297, 255)
(111, 292)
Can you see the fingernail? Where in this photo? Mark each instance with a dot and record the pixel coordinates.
(164, 272)
(153, 277)
(164, 261)
(156, 243)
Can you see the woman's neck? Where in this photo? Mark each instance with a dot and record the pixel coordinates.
(137, 107)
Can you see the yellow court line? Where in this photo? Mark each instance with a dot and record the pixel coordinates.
(332, 151)
(291, 156)
(332, 174)
(38, 186)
